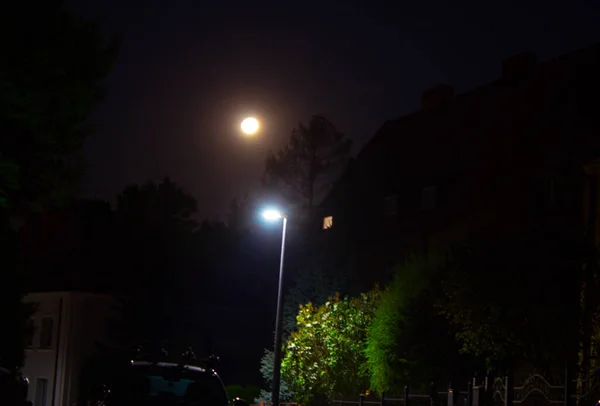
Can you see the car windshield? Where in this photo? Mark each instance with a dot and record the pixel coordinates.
(166, 386)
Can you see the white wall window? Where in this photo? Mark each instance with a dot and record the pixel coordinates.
(327, 222)
(41, 392)
(428, 198)
(390, 206)
(46, 332)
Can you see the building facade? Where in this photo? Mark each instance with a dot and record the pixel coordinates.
(507, 156)
(67, 326)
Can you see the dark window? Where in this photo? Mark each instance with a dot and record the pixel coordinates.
(30, 332)
(555, 193)
(41, 392)
(562, 192)
(390, 206)
(46, 332)
(428, 198)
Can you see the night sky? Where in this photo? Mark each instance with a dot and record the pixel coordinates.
(190, 70)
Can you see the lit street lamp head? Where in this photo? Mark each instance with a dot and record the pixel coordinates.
(250, 126)
(272, 214)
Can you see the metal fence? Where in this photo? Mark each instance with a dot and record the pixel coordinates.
(434, 398)
(535, 390)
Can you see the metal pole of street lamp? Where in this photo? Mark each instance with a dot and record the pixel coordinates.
(272, 215)
(278, 325)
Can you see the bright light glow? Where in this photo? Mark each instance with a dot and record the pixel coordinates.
(250, 126)
(272, 214)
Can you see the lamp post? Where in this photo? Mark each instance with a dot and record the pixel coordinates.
(273, 215)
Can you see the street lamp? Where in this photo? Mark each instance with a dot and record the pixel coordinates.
(273, 215)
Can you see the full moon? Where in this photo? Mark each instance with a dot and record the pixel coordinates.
(250, 126)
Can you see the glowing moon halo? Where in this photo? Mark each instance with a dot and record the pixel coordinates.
(250, 126)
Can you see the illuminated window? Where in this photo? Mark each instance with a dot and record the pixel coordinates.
(327, 222)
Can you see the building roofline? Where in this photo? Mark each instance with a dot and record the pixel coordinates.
(418, 113)
(393, 124)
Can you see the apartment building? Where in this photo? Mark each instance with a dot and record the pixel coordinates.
(507, 156)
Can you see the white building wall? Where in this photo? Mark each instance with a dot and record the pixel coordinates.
(79, 321)
(42, 363)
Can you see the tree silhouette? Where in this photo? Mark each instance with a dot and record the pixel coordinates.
(305, 168)
(242, 213)
(164, 205)
(52, 74)
(55, 244)
(154, 227)
(514, 297)
(14, 315)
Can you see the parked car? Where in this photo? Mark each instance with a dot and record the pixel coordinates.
(166, 384)
(13, 389)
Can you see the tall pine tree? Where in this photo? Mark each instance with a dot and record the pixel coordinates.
(303, 171)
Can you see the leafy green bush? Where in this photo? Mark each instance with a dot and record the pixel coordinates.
(326, 355)
(408, 342)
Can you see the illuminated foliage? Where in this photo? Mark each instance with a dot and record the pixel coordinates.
(409, 343)
(325, 356)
